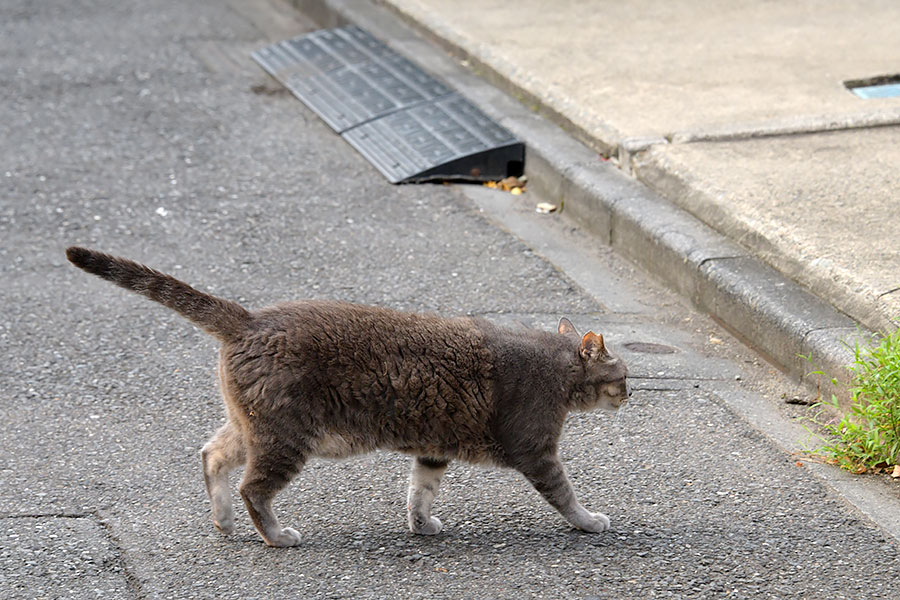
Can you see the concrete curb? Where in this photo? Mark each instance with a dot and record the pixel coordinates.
(669, 179)
(768, 311)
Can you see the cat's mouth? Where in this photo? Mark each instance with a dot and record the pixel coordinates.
(617, 393)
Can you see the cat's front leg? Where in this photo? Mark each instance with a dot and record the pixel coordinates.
(548, 477)
(424, 481)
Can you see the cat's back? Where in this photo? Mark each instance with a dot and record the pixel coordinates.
(344, 331)
(371, 362)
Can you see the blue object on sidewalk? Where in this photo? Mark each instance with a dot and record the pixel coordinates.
(887, 90)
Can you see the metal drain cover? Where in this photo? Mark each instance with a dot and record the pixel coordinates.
(408, 124)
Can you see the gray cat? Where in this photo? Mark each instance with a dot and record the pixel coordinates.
(333, 379)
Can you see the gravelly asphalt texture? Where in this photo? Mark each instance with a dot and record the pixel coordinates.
(142, 128)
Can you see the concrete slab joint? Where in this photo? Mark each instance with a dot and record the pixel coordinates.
(632, 146)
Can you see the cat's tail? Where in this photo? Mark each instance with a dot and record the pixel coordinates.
(222, 318)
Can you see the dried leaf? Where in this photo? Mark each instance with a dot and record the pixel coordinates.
(545, 208)
(514, 185)
(896, 473)
(509, 183)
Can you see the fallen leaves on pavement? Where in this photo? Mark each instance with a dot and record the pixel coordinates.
(513, 185)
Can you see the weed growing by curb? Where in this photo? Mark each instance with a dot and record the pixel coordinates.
(868, 437)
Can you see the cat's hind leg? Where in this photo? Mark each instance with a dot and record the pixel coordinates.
(269, 470)
(424, 481)
(548, 477)
(221, 455)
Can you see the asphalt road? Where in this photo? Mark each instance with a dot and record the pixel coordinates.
(143, 129)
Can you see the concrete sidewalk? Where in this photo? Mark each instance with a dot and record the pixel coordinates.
(737, 115)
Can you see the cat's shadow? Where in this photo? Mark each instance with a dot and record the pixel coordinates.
(457, 543)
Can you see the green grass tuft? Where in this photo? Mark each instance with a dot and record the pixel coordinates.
(867, 437)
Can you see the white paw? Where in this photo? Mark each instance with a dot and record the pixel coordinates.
(226, 526)
(286, 538)
(431, 527)
(599, 524)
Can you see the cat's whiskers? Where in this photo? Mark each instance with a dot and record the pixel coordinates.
(621, 410)
(618, 415)
(616, 423)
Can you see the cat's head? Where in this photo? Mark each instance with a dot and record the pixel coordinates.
(602, 376)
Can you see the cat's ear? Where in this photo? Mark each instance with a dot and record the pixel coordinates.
(592, 345)
(565, 327)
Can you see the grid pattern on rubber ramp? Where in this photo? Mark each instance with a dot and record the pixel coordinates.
(407, 123)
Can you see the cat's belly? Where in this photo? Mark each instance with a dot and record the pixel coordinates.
(338, 446)
(334, 445)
